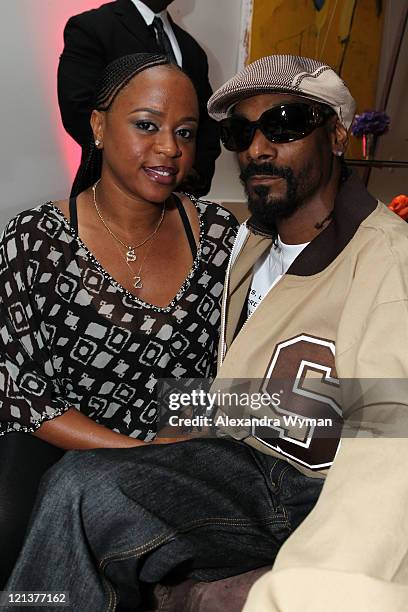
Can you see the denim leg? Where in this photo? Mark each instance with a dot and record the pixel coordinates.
(292, 492)
(107, 519)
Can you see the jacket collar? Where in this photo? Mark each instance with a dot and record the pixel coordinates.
(133, 21)
(147, 13)
(352, 205)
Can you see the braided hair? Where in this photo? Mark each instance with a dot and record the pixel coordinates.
(114, 78)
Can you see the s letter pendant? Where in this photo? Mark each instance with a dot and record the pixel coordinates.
(131, 255)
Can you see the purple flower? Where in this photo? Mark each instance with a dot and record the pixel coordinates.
(370, 122)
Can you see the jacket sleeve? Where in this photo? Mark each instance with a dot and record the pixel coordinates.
(80, 66)
(351, 552)
(195, 64)
(208, 140)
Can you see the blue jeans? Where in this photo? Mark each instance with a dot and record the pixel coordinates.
(107, 521)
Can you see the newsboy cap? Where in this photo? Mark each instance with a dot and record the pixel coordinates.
(292, 74)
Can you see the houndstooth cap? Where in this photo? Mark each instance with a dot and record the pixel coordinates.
(291, 74)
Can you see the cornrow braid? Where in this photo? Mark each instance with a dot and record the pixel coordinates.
(118, 74)
(114, 78)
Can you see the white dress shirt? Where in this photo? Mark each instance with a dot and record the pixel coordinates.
(148, 16)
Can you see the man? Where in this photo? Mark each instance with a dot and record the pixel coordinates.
(317, 282)
(95, 38)
(330, 297)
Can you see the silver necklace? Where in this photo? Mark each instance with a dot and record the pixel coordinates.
(131, 250)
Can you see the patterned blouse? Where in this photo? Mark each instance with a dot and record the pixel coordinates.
(71, 336)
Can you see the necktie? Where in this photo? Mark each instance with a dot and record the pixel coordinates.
(163, 41)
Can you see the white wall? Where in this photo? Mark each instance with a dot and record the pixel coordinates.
(32, 164)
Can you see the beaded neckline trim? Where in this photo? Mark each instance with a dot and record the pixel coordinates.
(116, 284)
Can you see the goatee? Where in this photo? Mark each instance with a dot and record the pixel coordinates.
(266, 208)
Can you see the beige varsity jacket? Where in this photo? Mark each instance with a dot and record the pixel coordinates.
(338, 321)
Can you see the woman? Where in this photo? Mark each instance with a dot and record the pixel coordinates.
(102, 295)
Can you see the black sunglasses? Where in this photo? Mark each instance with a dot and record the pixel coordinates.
(282, 123)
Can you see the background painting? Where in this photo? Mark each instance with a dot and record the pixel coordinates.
(346, 34)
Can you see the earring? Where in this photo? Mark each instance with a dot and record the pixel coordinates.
(97, 142)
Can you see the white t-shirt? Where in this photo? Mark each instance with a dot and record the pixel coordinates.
(269, 269)
(148, 16)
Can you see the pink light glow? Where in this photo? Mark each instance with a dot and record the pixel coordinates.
(46, 28)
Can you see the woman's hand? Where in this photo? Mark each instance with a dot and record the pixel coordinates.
(73, 430)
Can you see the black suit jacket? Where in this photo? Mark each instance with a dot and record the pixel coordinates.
(97, 37)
